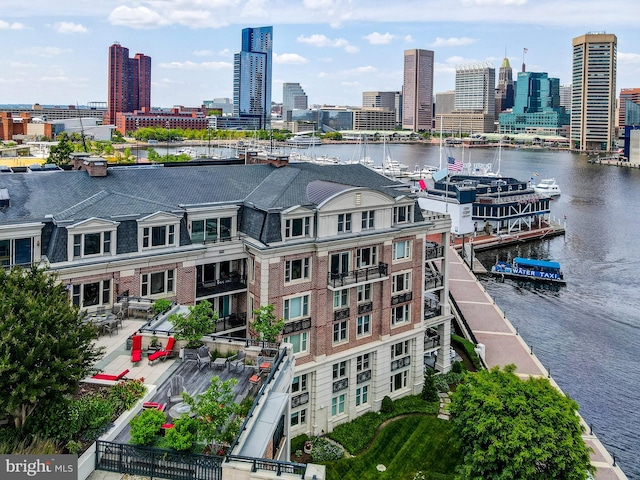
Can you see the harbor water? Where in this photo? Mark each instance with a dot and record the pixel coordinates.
(584, 332)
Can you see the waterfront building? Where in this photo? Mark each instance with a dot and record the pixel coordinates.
(417, 90)
(348, 259)
(390, 101)
(293, 98)
(48, 113)
(565, 97)
(593, 100)
(223, 104)
(474, 103)
(627, 94)
(252, 76)
(536, 108)
(175, 117)
(129, 82)
(505, 88)
(445, 102)
(374, 119)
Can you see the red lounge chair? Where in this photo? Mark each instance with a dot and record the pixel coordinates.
(136, 349)
(105, 376)
(156, 405)
(163, 354)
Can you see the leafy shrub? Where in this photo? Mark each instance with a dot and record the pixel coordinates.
(73, 447)
(183, 434)
(95, 415)
(429, 390)
(458, 367)
(246, 405)
(125, 394)
(323, 450)
(387, 405)
(145, 426)
(298, 442)
(469, 348)
(161, 305)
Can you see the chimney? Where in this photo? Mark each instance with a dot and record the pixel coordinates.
(95, 166)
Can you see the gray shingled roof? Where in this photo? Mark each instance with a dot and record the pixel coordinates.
(74, 195)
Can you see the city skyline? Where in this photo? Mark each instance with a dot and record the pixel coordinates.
(335, 50)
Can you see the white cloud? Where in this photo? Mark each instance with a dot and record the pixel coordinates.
(58, 79)
(452, 42)
(11, 26)
(69, 27)
(315, 4)
(226, 53)
(350, 84)
(484, 3)
(188, 65)
(139, 18)
(629, 58)
(409, 39)
(376, 38)
(289, 58)
(46, 52)
(322, 41)
(367, 69)
(202, 53)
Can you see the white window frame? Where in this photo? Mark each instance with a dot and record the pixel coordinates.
(401, 282)
(337, 405)
(146, 228)
(9, 260)
(215, 235)
(363, 362)
(400, 349)
(402, 214)
(363, 325)
(371, 252)
(340, 332)
(76, 238)
(299, 417)
(405, 254)
(300, 383)
(168, 281)
(403, 376)
(305, 270)
(368, 220)
(364, 293)
(401, 314)
(303, 342)
(104, 293)
(340, 298)
(289, 227)
(305, 307)
(362, 395)
(339, 370)
(344, 222)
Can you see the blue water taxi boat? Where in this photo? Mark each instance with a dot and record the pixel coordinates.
(529, 269)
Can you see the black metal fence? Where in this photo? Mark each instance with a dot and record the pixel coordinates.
(156, 463)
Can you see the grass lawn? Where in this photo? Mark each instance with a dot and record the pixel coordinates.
(405, 446)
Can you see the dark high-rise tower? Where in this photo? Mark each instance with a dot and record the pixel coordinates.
(129, 82)
(252, 75)
(417, 90)
(504, 91)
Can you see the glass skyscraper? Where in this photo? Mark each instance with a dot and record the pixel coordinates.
(293, 98)
(252, 76)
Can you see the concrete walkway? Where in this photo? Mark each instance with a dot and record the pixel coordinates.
(503, 346)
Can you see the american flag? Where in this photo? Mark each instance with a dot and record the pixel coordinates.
(454, 165)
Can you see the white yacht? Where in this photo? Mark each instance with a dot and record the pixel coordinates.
(548, 186)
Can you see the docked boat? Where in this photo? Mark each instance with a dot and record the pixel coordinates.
(187, 151)
(423, 173)
(529, 269)
(548, 186)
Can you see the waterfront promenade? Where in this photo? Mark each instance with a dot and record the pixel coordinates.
(503, 346)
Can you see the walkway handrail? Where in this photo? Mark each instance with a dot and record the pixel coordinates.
(460, 316)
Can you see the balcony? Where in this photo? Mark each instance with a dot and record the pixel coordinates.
(432, 308)
(223, 285)
(297, 326)
(341, 314)
(402, 298)
(367, 274)
(340, 385)
(432, 280)
(433, 250)
(365, 308)
(231, 322)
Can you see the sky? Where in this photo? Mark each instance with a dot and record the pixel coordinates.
(56, 52)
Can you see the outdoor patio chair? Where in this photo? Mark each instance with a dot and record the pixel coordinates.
(136, 348)
(203, 357)
(163, 354)
(236, 361)
(176, 388)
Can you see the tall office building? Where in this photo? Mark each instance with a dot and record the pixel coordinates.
(129, 82)
(632, 95)
(252, 76)
(474, 103)
(293, 98)
(504, 90)
(389, 101)
(593, 100)
(565, 97)
(417, 90)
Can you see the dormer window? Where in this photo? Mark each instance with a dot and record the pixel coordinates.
(158, 230)
(92, 238)
(297, 227)
(402, 214)
(85, 245)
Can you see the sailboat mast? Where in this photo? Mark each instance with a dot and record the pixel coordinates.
(440, 163)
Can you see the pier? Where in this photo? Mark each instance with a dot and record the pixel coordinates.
(502, 345)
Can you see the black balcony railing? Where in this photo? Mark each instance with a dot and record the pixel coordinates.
(402, 298)
(301, 399)
(365, 308)
(356, 276)
(297, 326)
(230, 322)
(341, 314)
(340, 385)
(433, 250)
(400, 363)
(222, 285)
(363, 376)
(433, 280)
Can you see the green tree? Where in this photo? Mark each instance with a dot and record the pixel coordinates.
(184, 433)
(59, 154)
(200, 321)
(45, 348)
(429, 389)
(266, 325)
(216, 410)
(513, 428)
(146, 425)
